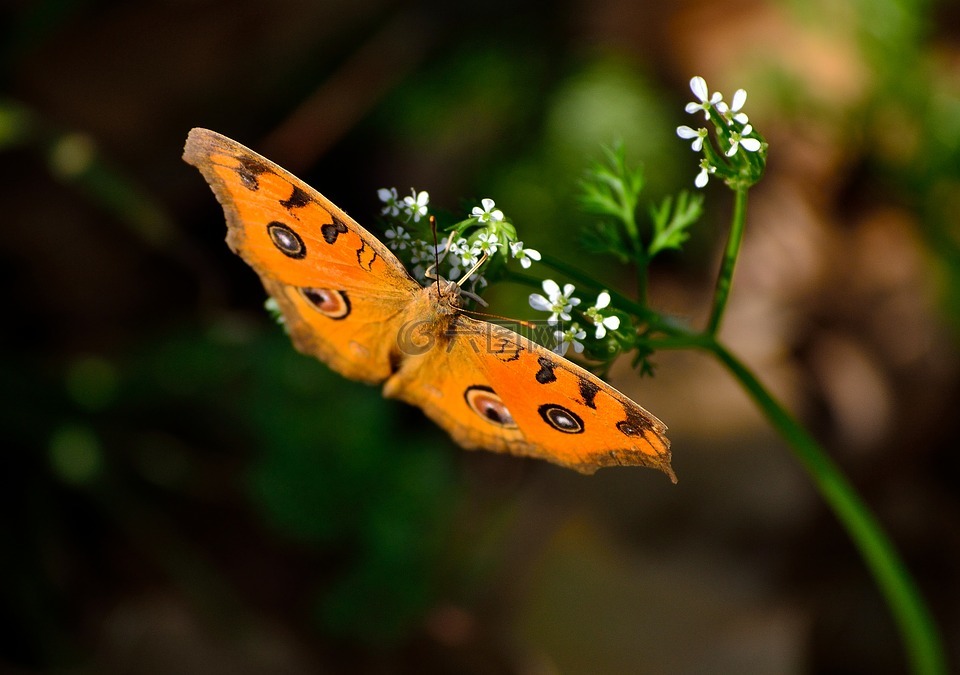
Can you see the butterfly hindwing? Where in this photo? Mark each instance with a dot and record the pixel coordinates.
(491, 388)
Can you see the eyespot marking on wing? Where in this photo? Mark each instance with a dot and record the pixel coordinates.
(330, 303)
(484, 402)
(286, 240)
(561, 419)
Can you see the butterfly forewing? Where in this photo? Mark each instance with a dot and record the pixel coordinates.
(339, 288)
(288, 231)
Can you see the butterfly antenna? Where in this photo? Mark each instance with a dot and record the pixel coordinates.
(463, 279)
(499, 317)
(436, 253)
(432, 271)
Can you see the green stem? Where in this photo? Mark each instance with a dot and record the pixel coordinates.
(917, 628)
(725, 276)
(641, 262)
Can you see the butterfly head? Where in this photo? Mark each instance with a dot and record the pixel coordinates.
(447, 294)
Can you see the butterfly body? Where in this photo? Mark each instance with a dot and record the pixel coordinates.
(347, 300)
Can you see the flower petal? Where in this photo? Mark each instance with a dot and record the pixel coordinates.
(551, 288)
(739, 98)
(539, 302)
(699, 88)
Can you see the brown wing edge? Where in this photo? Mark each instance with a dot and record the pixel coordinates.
(200, 145)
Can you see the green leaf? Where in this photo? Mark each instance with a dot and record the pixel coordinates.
(672, 221)
(606, 238)
(611, 189)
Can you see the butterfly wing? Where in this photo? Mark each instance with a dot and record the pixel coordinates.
(341, 291)
(491, 388)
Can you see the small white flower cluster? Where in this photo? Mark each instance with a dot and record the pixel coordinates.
(412, 207)
(732, 124)
(494, 235)
(560, 302)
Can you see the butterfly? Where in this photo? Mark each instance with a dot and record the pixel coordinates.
(346, 299)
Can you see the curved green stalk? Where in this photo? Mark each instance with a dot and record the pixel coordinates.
(925, 651)
(725, 276)
(920, 635)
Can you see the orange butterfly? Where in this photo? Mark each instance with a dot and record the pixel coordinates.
(347, 300)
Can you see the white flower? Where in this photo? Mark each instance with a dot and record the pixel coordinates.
(423, 254)
(696, 134)
(467, 256)
(397, 238)
(737, 140)
(601, 322)
(571, 336)
(556, 302)
(526, 256)
(733, 112)
(706, 168)
(458, 246)
(487, 214)
(415, 206)
(699, 88)
(487, 242)
(391, 207)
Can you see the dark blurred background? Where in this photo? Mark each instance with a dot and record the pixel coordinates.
(180, 491)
